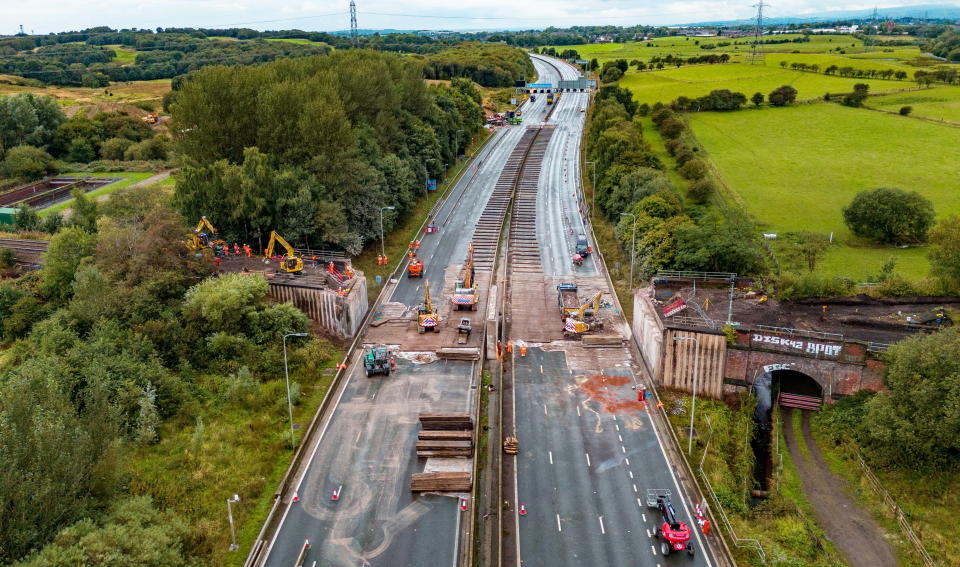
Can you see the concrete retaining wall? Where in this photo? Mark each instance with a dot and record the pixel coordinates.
(648, 331)
(340, 315)
(681, 359)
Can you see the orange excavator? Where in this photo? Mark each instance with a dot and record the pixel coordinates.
(415, 268)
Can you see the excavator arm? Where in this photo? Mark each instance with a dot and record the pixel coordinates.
(291, 263)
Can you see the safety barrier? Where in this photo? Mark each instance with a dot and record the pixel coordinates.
(799, 401)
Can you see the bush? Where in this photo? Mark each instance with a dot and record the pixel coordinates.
(685, 155)
(612, 75)
(672, 128)
(905, 110)
(80, 150)
(889, 215)
(673, 146)
(660, 114)
(793, 286)
(701, 190)
(757, 99)
(27, 163)
(145, 105)
(157, 147)
(694, 169)
(782, 96)
(114, 148)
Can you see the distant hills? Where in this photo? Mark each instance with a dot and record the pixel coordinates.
(929, 11)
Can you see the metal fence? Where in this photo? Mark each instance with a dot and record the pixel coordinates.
(687, 275)
(897, 512)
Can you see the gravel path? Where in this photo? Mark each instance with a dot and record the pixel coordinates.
(851, 529)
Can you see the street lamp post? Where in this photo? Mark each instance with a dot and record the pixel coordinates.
(233, 531)
(382, 250)
(286, 374)
(593, 184)
(633, 244)
(693, 404)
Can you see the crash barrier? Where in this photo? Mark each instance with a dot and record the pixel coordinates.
(897, 512)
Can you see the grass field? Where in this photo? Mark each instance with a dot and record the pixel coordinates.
(796, 168)
(297, 40)
(698, 80)
(939, 103)
(122, 92)
(125, 55)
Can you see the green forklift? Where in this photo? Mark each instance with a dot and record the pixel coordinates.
(377, 360)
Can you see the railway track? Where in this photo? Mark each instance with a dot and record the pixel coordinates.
(26, 251)
(524, 248)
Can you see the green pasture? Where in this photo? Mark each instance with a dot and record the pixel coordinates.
(938, 103)
(297, 40)
(125, 55)
(697, 80)
(796, 168)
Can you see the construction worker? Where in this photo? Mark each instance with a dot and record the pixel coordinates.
(379, 260)
(509, 345)
(411, 245)
(248, 250)
(523, 349)
(410, 255)
(418, 245)
(331, 267)
(236, 249)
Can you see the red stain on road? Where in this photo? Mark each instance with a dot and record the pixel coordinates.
(603, 389)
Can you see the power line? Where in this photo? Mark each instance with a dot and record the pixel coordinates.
(353, 22)
(756, 54)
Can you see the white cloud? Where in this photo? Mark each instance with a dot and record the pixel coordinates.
(44, 16)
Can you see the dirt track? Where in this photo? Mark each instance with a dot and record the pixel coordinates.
(851, 529)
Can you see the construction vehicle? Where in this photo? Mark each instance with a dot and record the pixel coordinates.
(936, 317)
(513, 117)
(533, 98)
(199, 239)
(584, 319)
(415, 268)
(376, 360)
(549, 98)
(150, 118)
(511, 445)
(292, 263)
(567, 300)
(427, 318)
(465, 294)
(583, 247)
(673, 534)
(463, 331)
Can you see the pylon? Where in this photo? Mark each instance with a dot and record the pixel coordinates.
(523, 510)
(296, 497)
(335, 495)
(463, 504)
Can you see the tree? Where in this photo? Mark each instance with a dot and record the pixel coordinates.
(622, 65)
(114, 148)
(945, 250)
(612, 74)
(701, 190)
(671, 128)
(80, 151)
(27, 119)
(905, 110)
(86, 211)
(61, 260)
(757, 99)
(27, 163)
(913, 421)
(133, 533)
(26, 218)
(807, 247)
(782, 96)
(858, 95)
(694, 169)
(889, 215)
(594, 64)
(721, 241)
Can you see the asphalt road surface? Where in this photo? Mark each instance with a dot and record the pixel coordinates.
(366, 448)
(589, 451)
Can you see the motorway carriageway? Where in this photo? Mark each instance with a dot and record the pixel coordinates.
(588, 450)
(365, 446)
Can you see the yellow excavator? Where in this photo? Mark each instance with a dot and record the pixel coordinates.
(465, 291)
(584, 319)
(202, 236)
(292, 264)
(427, 318)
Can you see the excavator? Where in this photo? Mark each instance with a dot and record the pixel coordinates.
(198, 239)
(427, 318)
(465, 293)
(584, 319)
(292, 264)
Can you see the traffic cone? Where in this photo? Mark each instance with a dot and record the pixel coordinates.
(463, 504)
(706, 527)
(296, 497)
(335, 495)
(523, 510)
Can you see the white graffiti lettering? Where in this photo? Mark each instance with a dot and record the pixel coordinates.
(809, 347)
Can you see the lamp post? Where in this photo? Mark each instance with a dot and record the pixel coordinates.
(593, 184)
(693, 405)
(286, 374)
(633, 244)
(233, 531)
(382, 251)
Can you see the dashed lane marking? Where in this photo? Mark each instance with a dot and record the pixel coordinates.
(550, 453)
(588, 458)
(559, 529)
(602, 529)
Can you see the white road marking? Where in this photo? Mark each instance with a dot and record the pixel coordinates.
(559, 529)
(551, 456)
(374, 396)
(588, 458)
(643, 515)
(653, 550)
(631, 474)
(602, 529)
(544, 409)
(635, 488)
(541, 369)
(648, 533)
(626, 460)
(617, 426)
(358, 436)
(620, 438)
(622, 449)
(578, 411)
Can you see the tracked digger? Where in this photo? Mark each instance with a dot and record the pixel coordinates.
(465, 293)
(292, 263)
(586, 318)
(203, 236)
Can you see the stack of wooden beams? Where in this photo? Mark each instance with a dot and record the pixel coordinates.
(441, 482)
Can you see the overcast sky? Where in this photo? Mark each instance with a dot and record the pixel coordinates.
(44, 16)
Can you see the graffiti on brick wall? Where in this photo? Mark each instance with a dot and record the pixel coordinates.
(793, 344)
